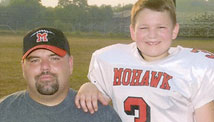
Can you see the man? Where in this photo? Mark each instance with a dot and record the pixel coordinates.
(47, 66)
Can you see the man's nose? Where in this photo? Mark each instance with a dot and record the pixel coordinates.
(45, 65)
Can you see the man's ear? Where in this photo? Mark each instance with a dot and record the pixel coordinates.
(132, 32)
(71, 64)
(175, 31)
(22, 64)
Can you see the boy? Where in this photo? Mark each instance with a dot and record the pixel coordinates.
(149, 81)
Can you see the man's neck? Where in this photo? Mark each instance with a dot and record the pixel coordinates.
(49, 100)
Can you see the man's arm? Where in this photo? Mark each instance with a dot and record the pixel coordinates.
(205, 113)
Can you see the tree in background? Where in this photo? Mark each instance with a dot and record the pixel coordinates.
(21, 13)
(64, 3)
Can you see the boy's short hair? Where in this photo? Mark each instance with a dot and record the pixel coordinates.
(156, 5)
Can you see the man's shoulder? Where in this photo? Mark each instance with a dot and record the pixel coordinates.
(14, 97)
(107, 109)
(101, 106)
(104, 114)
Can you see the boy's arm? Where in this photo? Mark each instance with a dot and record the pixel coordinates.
(205, 113)
(87, 98)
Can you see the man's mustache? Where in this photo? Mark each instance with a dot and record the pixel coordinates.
(46, 73)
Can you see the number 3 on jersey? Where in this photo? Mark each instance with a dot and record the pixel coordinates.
(137, 103)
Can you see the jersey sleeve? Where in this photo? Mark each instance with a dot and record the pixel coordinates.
(98, 75)
(205, 89)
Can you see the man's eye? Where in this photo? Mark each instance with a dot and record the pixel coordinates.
(55, 58)
(34, 60)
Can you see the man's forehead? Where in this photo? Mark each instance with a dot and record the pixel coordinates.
(41, 52)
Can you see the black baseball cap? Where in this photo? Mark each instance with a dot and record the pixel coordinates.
(45, 38)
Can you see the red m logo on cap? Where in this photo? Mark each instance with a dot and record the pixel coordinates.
(42, 37)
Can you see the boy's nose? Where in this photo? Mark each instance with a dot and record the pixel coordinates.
(152, 33)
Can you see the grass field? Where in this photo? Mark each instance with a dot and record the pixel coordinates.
(11, 79)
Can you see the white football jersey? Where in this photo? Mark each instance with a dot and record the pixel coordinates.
(167, 90)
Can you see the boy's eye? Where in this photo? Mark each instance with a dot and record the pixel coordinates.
(143, 28)
(161, 27)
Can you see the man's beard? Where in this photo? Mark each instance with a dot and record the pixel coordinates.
(47, 87)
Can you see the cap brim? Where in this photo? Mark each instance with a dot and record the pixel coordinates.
(54, 49)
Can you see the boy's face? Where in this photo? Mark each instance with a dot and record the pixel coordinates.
(153, 33)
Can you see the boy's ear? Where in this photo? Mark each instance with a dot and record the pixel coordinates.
(132, 33)
(175, 31)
